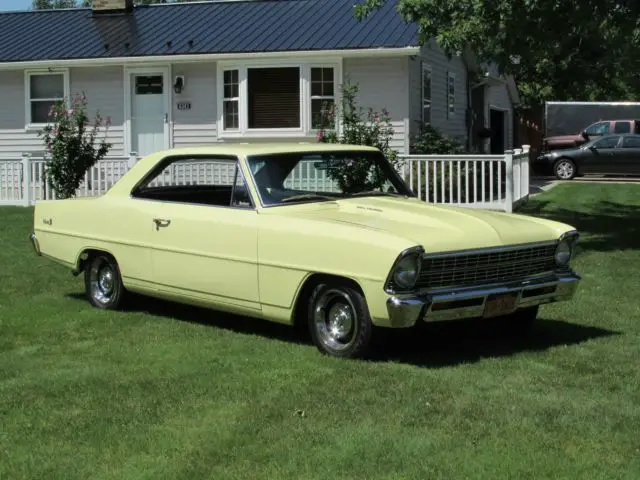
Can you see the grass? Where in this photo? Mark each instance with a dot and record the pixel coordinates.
(165, 391)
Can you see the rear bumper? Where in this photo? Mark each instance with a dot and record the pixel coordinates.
(34, 243)
(406, 310)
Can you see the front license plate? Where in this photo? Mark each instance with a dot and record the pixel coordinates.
(500, 304)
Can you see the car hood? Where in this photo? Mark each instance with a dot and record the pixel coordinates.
(436, 227)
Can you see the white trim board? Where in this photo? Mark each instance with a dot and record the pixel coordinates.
(164, 59)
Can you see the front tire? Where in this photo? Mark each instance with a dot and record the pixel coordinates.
(339, 320)
(564, 169)
(103, 282)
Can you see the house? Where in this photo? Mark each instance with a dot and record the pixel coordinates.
(234, 71)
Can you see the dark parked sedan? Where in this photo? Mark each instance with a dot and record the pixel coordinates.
(610, 154)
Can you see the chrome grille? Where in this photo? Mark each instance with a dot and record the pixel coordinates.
(460, 269)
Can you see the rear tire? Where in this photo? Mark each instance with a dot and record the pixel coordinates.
(103, 282)
(339, 320)
(564, 169)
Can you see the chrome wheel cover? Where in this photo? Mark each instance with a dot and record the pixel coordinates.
(564, 169)
(102, 282)
(335, 320)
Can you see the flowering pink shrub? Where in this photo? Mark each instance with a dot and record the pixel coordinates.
(371, 129)
(71, 143)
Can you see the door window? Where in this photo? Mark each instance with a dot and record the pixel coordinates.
(608, 142)
(622, 127)
(215, 181)
(631, 142)
(600, 128)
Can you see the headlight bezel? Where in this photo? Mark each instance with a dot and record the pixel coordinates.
(392, 285)
(567, 242)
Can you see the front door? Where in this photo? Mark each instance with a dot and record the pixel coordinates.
(149, 112)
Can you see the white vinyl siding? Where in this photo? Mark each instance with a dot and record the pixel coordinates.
(103, 86)
(196, 125)
(383, 84)
(441, 66)
(105, 93)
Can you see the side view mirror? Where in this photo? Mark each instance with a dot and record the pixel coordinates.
(593, 148)
(585, 135)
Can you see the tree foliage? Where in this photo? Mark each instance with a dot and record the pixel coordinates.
(567, 49)
(51, 4)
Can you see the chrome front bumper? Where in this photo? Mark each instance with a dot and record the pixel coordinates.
(34, 243)
(406, 310)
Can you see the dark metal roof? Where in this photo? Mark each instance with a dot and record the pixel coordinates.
(197, 28)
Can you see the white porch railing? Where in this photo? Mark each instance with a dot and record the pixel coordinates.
(495, 182)
(23, 181)
(498, 182)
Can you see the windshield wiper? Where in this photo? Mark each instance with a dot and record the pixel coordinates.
(376, 192)
(306, 196)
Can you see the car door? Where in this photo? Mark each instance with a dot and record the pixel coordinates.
(205, 235)
(630, 155)
(601, 155)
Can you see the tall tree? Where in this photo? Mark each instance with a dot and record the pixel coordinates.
(49, 4)
(557, 49)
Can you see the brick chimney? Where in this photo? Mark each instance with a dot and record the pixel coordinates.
(112, 6)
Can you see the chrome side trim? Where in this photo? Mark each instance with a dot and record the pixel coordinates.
(34, 243)
(455, 304)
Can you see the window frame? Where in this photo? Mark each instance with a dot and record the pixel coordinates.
(28, 74)
(170, 159)
(425, 68)
(320, 97)
(451, 97)
(305, 129)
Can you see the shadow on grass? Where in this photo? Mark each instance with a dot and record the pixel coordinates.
(428, 345)
(446, 344)
(607, 226)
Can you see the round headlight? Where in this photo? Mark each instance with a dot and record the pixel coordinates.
(407, 270)
(563, 253)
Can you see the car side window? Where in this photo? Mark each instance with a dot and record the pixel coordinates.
(600, 128)
(608, 142)
(201, 180)
(622, 127)
(631, 142)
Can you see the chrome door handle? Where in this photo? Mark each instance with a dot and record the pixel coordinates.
(160, 222)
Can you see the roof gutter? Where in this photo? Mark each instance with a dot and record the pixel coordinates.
(200, 57)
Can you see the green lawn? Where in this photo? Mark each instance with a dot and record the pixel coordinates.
(168, 392)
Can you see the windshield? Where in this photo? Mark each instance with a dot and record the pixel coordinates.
(286, 178)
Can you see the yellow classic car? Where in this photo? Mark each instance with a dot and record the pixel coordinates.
(327, 236)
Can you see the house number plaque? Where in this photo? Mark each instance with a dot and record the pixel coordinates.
(184, 105)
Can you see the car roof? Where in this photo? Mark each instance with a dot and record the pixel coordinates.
(261, 148)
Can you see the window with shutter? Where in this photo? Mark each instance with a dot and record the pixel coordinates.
(273, 97)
